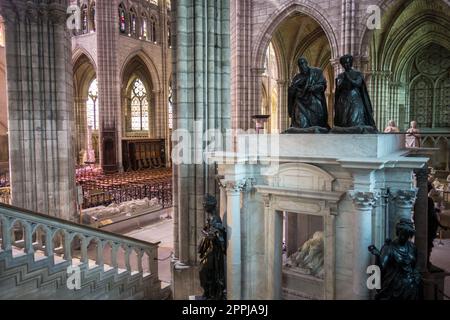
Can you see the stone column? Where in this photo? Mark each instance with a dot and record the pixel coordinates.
(234, 257)
(404, 204)
(81, 125)
(421, 219)
(108, 85)
(193, 84)
(283, 117)
(241, 33)
(362, 238)
(274, 250)
(40, 106)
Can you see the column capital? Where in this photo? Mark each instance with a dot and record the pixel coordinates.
(364, 200)
(266, 200)
(236, 186)
(405, 198)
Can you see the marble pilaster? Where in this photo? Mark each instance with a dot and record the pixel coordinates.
(362, 238)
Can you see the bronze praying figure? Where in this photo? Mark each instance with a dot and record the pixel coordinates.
(353, 108)
(307, 105)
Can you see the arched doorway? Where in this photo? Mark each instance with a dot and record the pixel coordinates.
(298, 35)
(87, 111)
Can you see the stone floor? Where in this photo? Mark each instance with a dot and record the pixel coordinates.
(159, 231)
(440, 257)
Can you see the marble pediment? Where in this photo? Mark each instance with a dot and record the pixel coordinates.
(300, 176)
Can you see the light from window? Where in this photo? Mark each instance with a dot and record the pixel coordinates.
(84, 19)
(2, 33)
(92, 106)
(93, 16)
(139, 107)
(144, 27)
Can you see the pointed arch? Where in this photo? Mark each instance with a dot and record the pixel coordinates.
(308, 8)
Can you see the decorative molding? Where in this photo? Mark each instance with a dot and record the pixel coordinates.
(405, 198)
(364, 200)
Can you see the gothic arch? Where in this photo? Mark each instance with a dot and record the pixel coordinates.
(84, 71)
(137, 68)
(154, 76)
(308, 8)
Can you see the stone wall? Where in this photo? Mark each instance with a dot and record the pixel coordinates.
(38, 55)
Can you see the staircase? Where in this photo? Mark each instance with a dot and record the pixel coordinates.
(43, 257)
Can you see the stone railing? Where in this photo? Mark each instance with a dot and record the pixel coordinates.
(25, 233)
(440, 140)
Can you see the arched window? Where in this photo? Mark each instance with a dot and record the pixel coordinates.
(170, 106)
(84, 19)
(133, 23)
(92, 106)
(139, 106)
(122, 19)
(152, 29)
(169, 34)
(144, 30)
(2, 32)
(92, 14)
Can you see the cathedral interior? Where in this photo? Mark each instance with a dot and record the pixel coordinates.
(117, 117)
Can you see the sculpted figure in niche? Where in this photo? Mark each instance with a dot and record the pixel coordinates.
(309, 258)
(307, 105)
(353, 108)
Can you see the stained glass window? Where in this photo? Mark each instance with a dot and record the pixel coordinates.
(84, 19)
(139, 107)
(144, 33)
(93, 15)
(153, 29)
(169, 35)
(2, 33)
(133, 23)
(122, 19)
(92, 106)
(170, 106)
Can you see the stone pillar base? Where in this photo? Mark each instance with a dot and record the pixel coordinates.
(433, 285)
(185, 281)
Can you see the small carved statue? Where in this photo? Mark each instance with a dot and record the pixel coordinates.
(212, 250)
(353, 109)
(400, 278)
(307, 105)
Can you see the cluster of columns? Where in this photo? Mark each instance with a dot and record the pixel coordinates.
(41, 137)
(202, 103)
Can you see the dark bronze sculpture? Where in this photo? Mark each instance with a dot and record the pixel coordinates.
(353, 109)
(400, 278)
(212, 250)
(307, 105)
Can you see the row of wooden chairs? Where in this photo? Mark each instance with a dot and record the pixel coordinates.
(122, 187)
